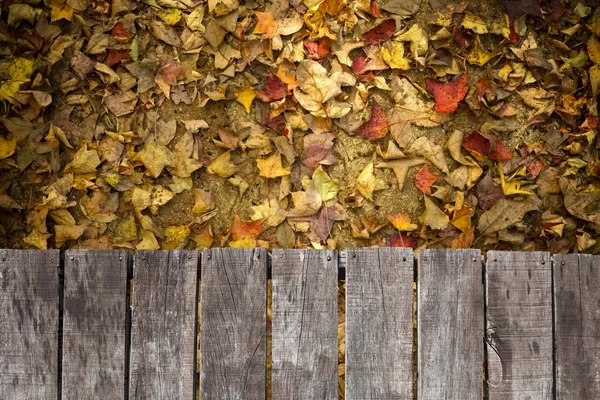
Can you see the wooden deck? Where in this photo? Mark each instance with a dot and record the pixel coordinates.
(110, 325)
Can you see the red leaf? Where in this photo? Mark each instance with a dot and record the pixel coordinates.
(317, 50)
(480, 146)
(463, 38)
(374, 9)
(377, 127)
(403, 240)
(447, 95)
(359, 64)
(381, 32)
(241, 229)
(275, 89)
(119, 32)
(425, 179)
(535, 167)
(170, 71)
(483, 86)
(115, 56)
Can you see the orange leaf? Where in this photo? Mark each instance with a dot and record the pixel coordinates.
(266, 24)
(242, 230)
(425, 179)
(447, 95)
(402, 222)
(377, 127)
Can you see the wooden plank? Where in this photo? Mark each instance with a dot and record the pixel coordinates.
(164, 304)
(450, 324)
(94, 324)
(577, 340)
(379, 324)
(234, 324)
(305, 324)
(519, 325)
(29, 315)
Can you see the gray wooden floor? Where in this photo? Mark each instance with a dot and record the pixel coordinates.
(109, 325)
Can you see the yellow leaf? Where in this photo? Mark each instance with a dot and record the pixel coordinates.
(125, 230)
(402, 222)
(395, 58)
(170, 16)
(203, 202)
(271, 167)
(61, 11)
(64, 233)
(595, 79)
(247, 242)
(148, 241)
(474, 23)
(155, 157)
(512, 186)
(84, 162)
(175, 237)
(19, 70)
(37, 239)
(222, 166)
(7, 147)
(245, 98)
(478, 56)
(203, 238)
(366, 183)
(325, 185)
(266, 24)
(593, 49)
(433, 217)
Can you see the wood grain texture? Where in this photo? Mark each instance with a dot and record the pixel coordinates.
(379, 324)
(164, 304)
(234, 324)
(519, 325)
(305, 324)
(94, 324)
(29, 313)
(577, 319)
(450, 325)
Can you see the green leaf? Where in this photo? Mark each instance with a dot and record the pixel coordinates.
(325, 185)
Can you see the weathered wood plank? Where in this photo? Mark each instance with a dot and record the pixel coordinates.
(29, 314)
(304, 324)
(234, 324)
(450, 324)
(379, 324)
(577, 338)
(95, 309)
(519, 325)
(164, 304)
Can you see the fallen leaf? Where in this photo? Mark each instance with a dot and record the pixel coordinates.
(266, 24)
(424, 179)
(243, 230)
(306, 203)
(203, 201)
(245, 98)
(155, 158)
(433, 217)
(447, 95)
(325, 185)
(275, 89)
(378, 125)
(401, 167)
(7, 147)
(223, 166)
(271, 167)
(367, 183)
(176, 237)
(433, 152)
(84, 161)
(505, 213)
(381, 32)
(402, 222)
(403, 240)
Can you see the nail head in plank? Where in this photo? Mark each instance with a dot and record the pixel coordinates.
(305, 324)
(164, 303)
(234, 324)
(29, 302)
(519, 325)
(94, 324)
(577, 302)
(379, 324)
(450, 324)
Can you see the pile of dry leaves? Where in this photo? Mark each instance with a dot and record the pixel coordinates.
(305, 123)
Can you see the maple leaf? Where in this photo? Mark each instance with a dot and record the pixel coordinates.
(275, 89)
(367, 183)
(433, 217)
(378, 125)
(316, 86)
(266, 24)
(402, 222)
(222, 166)
(381, 32)
(271, 167)
(401, 239)
(424, 179)
(480, 146)
(325, 185)
(317, 50)
(447, 95)
(242, 230)
(155, 158)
